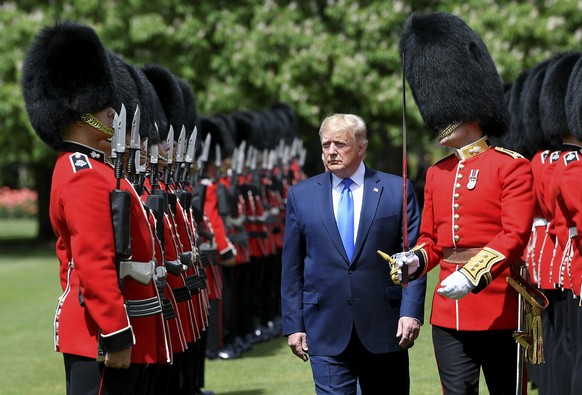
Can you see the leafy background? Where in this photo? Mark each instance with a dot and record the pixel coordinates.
(320, 56)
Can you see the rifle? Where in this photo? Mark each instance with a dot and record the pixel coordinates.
(156, 201)
(120, 201)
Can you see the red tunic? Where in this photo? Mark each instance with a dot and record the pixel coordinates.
(546, 239)
(92, 300)
(492, 210)
(567, 195)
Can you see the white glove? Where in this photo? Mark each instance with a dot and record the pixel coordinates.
(409, 258)
(455, 286)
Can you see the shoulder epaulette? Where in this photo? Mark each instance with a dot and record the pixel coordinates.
(570, 157)
(513, 154)
(445, 158)
(545, 155)
(555, 156)
(79, 161)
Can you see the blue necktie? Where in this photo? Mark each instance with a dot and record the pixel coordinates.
(345, 218)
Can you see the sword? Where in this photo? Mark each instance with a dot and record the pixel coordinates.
(404, 281)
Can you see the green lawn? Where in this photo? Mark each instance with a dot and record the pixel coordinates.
(28, 293)
(11, 229)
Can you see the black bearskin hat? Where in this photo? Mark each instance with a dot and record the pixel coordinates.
(218, 128)
(451, 74)
(66, 73)
(170, 95)
(126, 88)
(552, 104)
(190, 110)
(151, 110)
(574, 100)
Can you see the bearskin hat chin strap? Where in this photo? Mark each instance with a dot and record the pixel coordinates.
(90, 119)
(446, 132)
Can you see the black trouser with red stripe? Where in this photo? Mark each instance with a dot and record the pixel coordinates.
(85, 376)
(460, 355)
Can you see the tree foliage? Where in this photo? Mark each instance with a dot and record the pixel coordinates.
(320, 56)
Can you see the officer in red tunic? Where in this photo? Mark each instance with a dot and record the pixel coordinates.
(478, 204)
(107, 328)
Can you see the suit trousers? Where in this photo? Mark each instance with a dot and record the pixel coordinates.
(460, 355)
(385, 373)
(86, 376)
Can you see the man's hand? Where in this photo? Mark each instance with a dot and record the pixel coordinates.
(298, 344)
(408, 330)
(119, 359)
(455, 286)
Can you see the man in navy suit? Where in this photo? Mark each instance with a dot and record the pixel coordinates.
(339, 303)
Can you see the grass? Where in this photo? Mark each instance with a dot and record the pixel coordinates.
(12, 229)
(28, 293)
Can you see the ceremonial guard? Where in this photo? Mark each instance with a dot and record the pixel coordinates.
(108, 322)
(567, 225)
(478, 204)
(550, 78)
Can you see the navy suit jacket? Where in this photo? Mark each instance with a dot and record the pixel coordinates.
(325, 295)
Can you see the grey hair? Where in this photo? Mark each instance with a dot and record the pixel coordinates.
(346, 122)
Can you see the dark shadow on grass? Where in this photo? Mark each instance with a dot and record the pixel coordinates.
(28, 247)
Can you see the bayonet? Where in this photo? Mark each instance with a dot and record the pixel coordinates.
(118, 144)
(265, 157)
(154, 151)
(181, 147)
(206, 148)
(241, 157)
(170, 153)
(114, 138)
(217, 159)
(134, 147)
(281, 148)
(204, 156)
(121, 131)
(272, 159)
(302, 154)
(190, 151)
(233, 164)
(286, 155)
